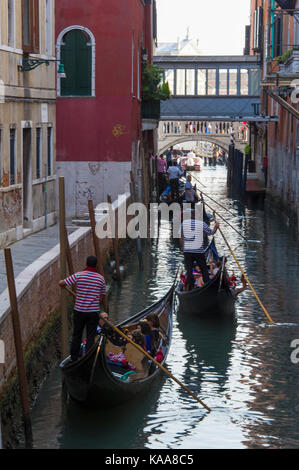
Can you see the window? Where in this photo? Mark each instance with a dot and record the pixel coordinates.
(50, 149)
(244, 80)
(169, 77)
(30, 26)
(11, 22)
(223, 81)
(180, 81)
(38, 152)
(233, 81)
(211, 82)
(12, 156)
(190, 82)
(254, 82)
(49, 27)
(201, 82)
(76, 55)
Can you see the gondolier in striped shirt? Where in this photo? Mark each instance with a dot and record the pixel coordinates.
(192, 245)
(90, 291)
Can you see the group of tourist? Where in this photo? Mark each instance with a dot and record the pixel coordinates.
(169, 172)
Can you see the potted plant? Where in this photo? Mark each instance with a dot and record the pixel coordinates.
(152, 86)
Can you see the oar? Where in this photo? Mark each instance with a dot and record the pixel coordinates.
(223, 207)
(239, 233)
(246, 278)
(157, 363)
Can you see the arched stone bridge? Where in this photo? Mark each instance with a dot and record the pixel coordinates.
(171, 133)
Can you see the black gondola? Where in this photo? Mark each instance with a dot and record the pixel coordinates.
(214, 298)
(96, 381)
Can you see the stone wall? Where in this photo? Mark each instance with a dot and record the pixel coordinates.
(39, 295)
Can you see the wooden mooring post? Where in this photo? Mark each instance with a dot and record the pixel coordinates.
(97, 246)
(63, 251)
(114, 241)
(19, 349)
(138, 240)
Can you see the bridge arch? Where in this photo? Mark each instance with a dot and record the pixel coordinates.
(171, 142)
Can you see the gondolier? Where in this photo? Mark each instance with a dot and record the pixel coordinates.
(192, 245)
(90, 291)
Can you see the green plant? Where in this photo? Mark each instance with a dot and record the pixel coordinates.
(153, 87)
(247, 150)
(284, 57)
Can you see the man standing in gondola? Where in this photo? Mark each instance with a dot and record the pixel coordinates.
(192, 245)
(90, 291)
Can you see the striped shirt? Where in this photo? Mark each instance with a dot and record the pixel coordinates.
(193, 231)
(89, 287)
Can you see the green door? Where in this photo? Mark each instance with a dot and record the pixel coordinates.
(76, 57)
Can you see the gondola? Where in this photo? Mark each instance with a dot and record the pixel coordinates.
(214, 298)
(96, 381)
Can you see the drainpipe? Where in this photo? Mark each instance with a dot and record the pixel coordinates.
(45, 195)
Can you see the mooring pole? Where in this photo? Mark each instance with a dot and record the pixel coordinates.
(96, 242)
(97, 246)
(63, 250)
(19, 348)
(138, 241)
(114, 241)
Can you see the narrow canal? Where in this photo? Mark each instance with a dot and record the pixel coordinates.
(242, 370)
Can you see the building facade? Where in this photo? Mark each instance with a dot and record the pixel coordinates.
(27, 118)
(275, 39)
(101, 136)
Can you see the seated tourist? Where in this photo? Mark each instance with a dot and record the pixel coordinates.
(103, 316)
(154, 323)
(198, 280)
(145, 329)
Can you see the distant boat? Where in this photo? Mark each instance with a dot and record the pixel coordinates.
(213, 299)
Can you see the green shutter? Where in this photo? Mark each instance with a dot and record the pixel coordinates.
(76, 57)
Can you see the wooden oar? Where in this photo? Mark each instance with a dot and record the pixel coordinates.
(157, 363)
(246, 278)
(223, 207)
(239, 233)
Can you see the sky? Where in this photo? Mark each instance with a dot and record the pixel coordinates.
(218, 24)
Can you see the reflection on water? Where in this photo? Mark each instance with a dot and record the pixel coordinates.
(241, 369)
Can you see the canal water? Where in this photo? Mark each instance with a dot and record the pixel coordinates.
(241, 369)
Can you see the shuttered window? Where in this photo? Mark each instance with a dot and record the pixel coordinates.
(77, 58)
(30, 15)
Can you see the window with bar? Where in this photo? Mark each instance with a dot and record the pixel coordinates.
(190, 82)
(50, 150)
(38, 152)
(169, 77)
(12, 156)
(211, 81)
(233, 81)
(244, 81)
(30, 15)
(201, 81)
(223, 81)
(180, 82)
